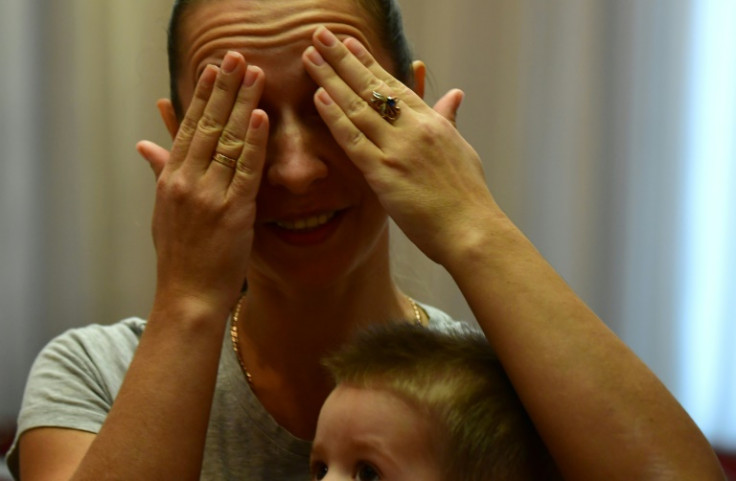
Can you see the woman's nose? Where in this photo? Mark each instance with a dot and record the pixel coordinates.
(292, 159)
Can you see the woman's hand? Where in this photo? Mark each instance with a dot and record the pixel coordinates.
(427, 177)
(206, 188)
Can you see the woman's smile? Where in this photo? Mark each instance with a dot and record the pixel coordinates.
(306, 223)
(307, 230)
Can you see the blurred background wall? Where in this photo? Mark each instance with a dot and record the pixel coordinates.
(606, 127)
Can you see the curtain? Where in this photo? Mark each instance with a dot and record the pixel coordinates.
(705, 318)
(607, 131)
(606, 128)
(19, 206)
(79, 87)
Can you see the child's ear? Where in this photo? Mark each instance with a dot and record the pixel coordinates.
(420, 72)
(168, 115)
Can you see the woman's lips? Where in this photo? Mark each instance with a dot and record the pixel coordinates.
(307, 230)
(306, 223)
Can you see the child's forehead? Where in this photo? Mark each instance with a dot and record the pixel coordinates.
(377, 425)
(379, 416)
(379, 393)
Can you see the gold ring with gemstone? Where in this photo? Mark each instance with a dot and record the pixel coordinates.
(386, 106)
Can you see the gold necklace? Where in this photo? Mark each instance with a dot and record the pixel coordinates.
(236, 340)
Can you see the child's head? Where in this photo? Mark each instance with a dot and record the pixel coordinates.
(411, 403)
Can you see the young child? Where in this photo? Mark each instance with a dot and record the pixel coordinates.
(411, 403)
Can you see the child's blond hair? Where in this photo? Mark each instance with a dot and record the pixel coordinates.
(482, 430)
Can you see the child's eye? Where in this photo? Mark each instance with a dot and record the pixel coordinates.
(319, 470)
(366, 472)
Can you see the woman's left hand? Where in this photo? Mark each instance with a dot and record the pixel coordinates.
(427, 177)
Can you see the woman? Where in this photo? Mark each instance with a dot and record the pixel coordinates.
(289, 152)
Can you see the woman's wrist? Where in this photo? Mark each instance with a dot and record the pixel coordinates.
(479, 240)
(187, 311)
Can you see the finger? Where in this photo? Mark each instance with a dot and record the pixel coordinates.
(156, 155)
(231, 141)
(449, 104)
(249, 169)
(188, 126)
(358, 110)
(359, 69)
(358, 147)
(215, 115)
(364, 57)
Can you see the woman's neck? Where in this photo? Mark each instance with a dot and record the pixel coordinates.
(285, 332)
(317, 320)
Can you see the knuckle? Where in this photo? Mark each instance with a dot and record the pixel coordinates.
(202, 92)
(368, 60)
(230, 141)
(208, 124)
(356, 107)
(394, 85)
(246, 168)
(394, 163)
(427, 131)
(245, 164)
(187, 128)
(173, 188)
(355, 139)
(374, 85)
(342, 56)
(251, 146)
(221, 84)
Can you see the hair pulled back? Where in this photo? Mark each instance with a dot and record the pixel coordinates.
(386, 16)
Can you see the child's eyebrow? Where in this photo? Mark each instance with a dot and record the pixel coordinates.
(317, 452)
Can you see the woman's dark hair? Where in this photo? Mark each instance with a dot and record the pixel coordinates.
(385, 13)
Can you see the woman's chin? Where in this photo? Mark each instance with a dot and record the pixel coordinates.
(318, 259)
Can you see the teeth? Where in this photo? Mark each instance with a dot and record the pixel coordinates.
(307, 222)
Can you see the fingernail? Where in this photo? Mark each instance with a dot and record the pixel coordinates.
(229, 62)
(314, 56)
(208, 75)
(256, 120)
(324, 97)
(251, 74)
(354, 46)
(326, 37)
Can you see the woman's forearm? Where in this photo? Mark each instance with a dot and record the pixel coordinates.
(157, 426)
(602, 413)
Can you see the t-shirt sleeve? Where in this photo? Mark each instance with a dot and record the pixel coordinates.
(75, 378)
(443, 322)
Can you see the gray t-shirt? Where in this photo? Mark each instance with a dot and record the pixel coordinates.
(76, 377)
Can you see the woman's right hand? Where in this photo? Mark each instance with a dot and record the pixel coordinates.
(202, 229)
(205, 210)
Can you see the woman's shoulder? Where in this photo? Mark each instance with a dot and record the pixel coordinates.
(93, 355)
(126, 327)
(98, 340)
(85, 363)
(75, 378)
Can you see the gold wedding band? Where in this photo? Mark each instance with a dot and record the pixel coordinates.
(224, 160)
